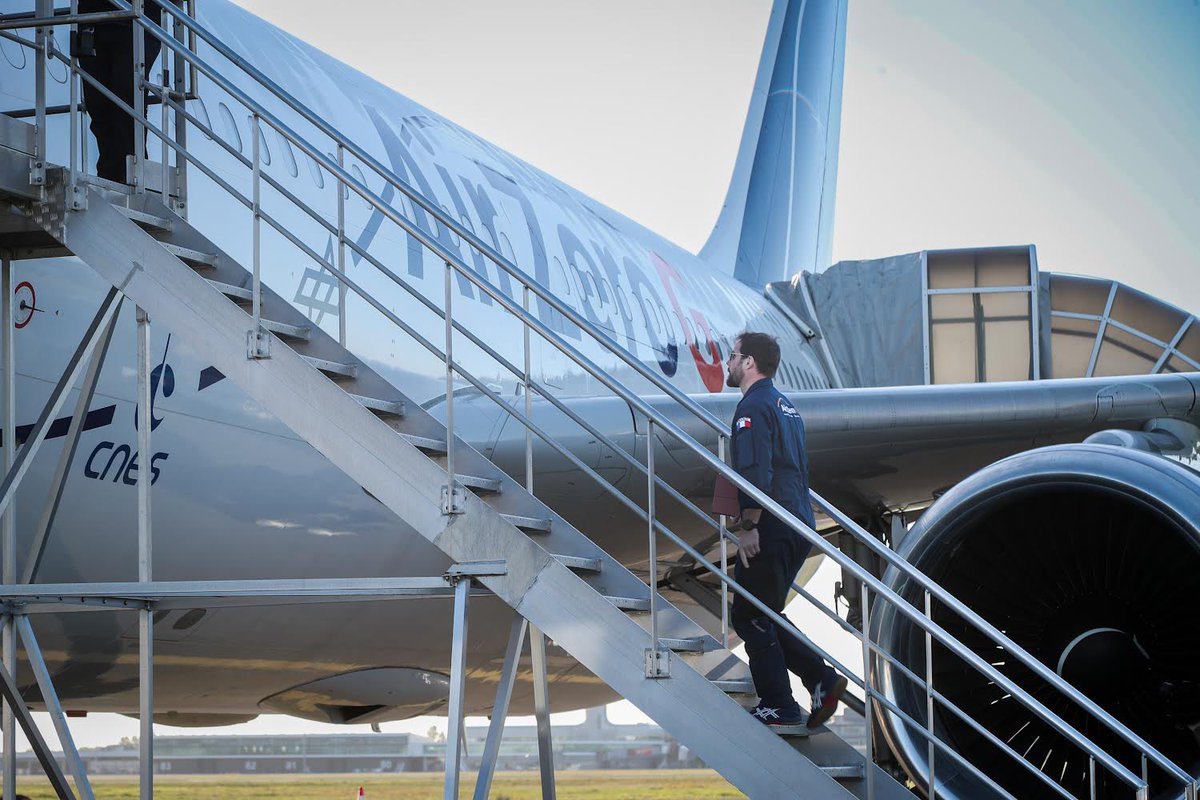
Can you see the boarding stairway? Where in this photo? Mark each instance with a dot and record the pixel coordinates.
(586, 601)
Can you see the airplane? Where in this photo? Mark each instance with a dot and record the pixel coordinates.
(904, 421)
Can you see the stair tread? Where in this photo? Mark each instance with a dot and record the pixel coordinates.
(393, 407)
(425, 443)
(234, 292)
(144, 219)
(689, 645)
(529, 524)
(303, 332)
(629, 603)
(843, 770)
(488, 485)
(735, 685)
(190, 255)
(333, 367)
(582, 563)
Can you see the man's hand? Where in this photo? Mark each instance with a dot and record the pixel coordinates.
(748, 546)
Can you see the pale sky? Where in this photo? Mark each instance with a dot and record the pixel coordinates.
(1070, 125)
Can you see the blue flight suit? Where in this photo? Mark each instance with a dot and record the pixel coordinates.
(768, 450)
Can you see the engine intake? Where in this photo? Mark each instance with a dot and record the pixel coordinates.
(1087, 556)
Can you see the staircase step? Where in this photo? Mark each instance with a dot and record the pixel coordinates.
(302, 332)
(333, 369)
(148, 221)
(425, 443)
(193, 257)
(802, 731)
(735, 686)
(393, 407)
(233, 292)
(579, 563)
(529, 524)
(695, 645)
(475, 483)
(636, 604)
(844, 771)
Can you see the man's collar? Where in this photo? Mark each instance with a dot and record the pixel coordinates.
(761, 382)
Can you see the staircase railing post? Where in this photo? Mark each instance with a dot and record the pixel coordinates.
(341, 251)
(450, 493)
(528, 378)
(139, 100)
(724, 520)
(929, 697)
(868, 716)
(145, 562)
(75, 161)
(658, 663)
(8, 539)
(44, 9)
(258, 342)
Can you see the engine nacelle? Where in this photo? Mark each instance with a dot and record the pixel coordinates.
(1086, 555)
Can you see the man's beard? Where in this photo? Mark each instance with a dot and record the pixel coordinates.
(731, 382)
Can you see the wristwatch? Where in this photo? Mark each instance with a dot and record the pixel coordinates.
(747, 525)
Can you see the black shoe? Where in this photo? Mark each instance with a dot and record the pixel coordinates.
(825, 698)
(777, 717)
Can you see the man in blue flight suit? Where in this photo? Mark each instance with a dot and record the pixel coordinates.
(768, 451)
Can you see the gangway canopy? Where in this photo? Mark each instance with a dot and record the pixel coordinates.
(987, 314)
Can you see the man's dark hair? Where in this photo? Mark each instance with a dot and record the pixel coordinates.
(763, 348)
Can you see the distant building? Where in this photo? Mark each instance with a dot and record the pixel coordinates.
(596, 743)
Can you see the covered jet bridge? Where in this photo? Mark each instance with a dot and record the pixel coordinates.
(983, 315)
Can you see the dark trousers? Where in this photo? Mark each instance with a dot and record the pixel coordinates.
(112, 66)
(773, 652)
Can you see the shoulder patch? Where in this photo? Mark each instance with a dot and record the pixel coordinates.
(786, 408)
(743, 422)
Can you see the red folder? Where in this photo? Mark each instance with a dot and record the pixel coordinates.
(725, 498)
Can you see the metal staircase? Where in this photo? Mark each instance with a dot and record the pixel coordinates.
(606, 617)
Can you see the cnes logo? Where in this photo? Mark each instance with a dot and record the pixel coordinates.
(114, 462)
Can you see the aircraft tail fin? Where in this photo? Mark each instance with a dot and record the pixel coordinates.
(778, 213)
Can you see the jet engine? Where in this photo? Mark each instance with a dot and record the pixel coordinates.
(1086, 555)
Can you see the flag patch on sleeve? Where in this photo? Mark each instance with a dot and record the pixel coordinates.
(743, 422)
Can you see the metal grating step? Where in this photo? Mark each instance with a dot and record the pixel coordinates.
(425, 443)
(845, 772)
(190, 256)
(579, 563)
(528, 524)
(333, 369)
(393, 407)
(735, 686)
(302, 332)
(236, 293)
(477, 484)
(148, 221)
(683, 645)
(633, 604)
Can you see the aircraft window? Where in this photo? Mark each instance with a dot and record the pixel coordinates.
(289, 158)
(607, 292)
(357, 172)
(623, 304)
(200, 111)
(455, 239)
(577, 277)
(264, 152)
(562, 275)
(232, 137)
(506, 248)
(689, 331)
(651, 317)
(315, 172)
(14, 53)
